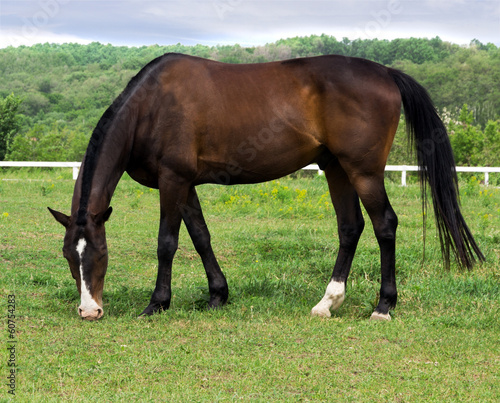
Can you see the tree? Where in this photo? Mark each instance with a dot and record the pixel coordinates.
(9, 122)
(467, 140)
(492, 143)
(42, 143)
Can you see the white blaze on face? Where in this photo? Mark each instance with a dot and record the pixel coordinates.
(87, 302)
(334, 296)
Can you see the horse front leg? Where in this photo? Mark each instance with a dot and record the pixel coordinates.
(172, 196)
(198, 231)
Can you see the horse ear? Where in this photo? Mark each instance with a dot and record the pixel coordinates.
(101, 218)
(60, 217)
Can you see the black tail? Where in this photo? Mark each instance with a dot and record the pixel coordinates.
(428, 135)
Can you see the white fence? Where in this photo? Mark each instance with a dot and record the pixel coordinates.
(401, 168)
(43, 164)
(406, 168)
(413, 168)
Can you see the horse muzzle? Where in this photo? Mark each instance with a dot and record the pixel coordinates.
(90, 314)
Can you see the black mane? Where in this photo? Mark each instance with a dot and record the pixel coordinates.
(93, 149)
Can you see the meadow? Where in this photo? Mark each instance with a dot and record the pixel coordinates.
(276, 242)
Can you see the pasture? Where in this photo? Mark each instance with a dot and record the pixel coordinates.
(276, 243)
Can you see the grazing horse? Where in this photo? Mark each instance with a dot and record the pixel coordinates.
(183, 121)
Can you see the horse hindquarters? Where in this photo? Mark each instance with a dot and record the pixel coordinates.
(361, 137)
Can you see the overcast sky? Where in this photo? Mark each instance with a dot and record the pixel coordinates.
(247, 22)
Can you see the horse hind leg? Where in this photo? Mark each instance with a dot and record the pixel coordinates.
(198, 231)
(372, 193)
(350, 226)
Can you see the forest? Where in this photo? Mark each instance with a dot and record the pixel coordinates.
(52, 95)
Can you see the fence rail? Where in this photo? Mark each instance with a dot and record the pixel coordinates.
(413, 168)
(43, 164)
(398, 168)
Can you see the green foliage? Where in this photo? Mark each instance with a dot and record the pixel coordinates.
(491, 150)
(415, 50)
(9, 121)
(42, 143)
(73, 84)
(469, 75)
(467, 140)
(472, 145)
(400, 152)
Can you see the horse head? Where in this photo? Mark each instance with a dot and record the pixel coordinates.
(86, 251)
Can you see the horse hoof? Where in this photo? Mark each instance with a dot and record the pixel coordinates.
(151, 309)
(322, 313)
(380, 316)
(145, 315)
(216, 303)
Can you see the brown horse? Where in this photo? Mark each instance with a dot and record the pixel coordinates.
(183, 121)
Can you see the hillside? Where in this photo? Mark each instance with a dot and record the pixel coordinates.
(65, 88)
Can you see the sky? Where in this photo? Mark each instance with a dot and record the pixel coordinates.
(246, 22)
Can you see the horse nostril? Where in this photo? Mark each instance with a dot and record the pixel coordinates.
(90, 314)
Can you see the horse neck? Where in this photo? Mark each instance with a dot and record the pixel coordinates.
(101, 170)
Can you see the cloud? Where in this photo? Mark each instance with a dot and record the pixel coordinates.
(30, 35)
(246, 22)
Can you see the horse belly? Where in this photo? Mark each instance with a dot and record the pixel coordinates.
(258, 157)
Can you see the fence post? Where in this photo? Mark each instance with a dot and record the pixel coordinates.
(486, 178)
(75, 172)
(403, 178)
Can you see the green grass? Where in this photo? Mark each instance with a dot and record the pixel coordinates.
(276, 243)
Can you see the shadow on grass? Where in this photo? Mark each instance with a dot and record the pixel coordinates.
(265, 293)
